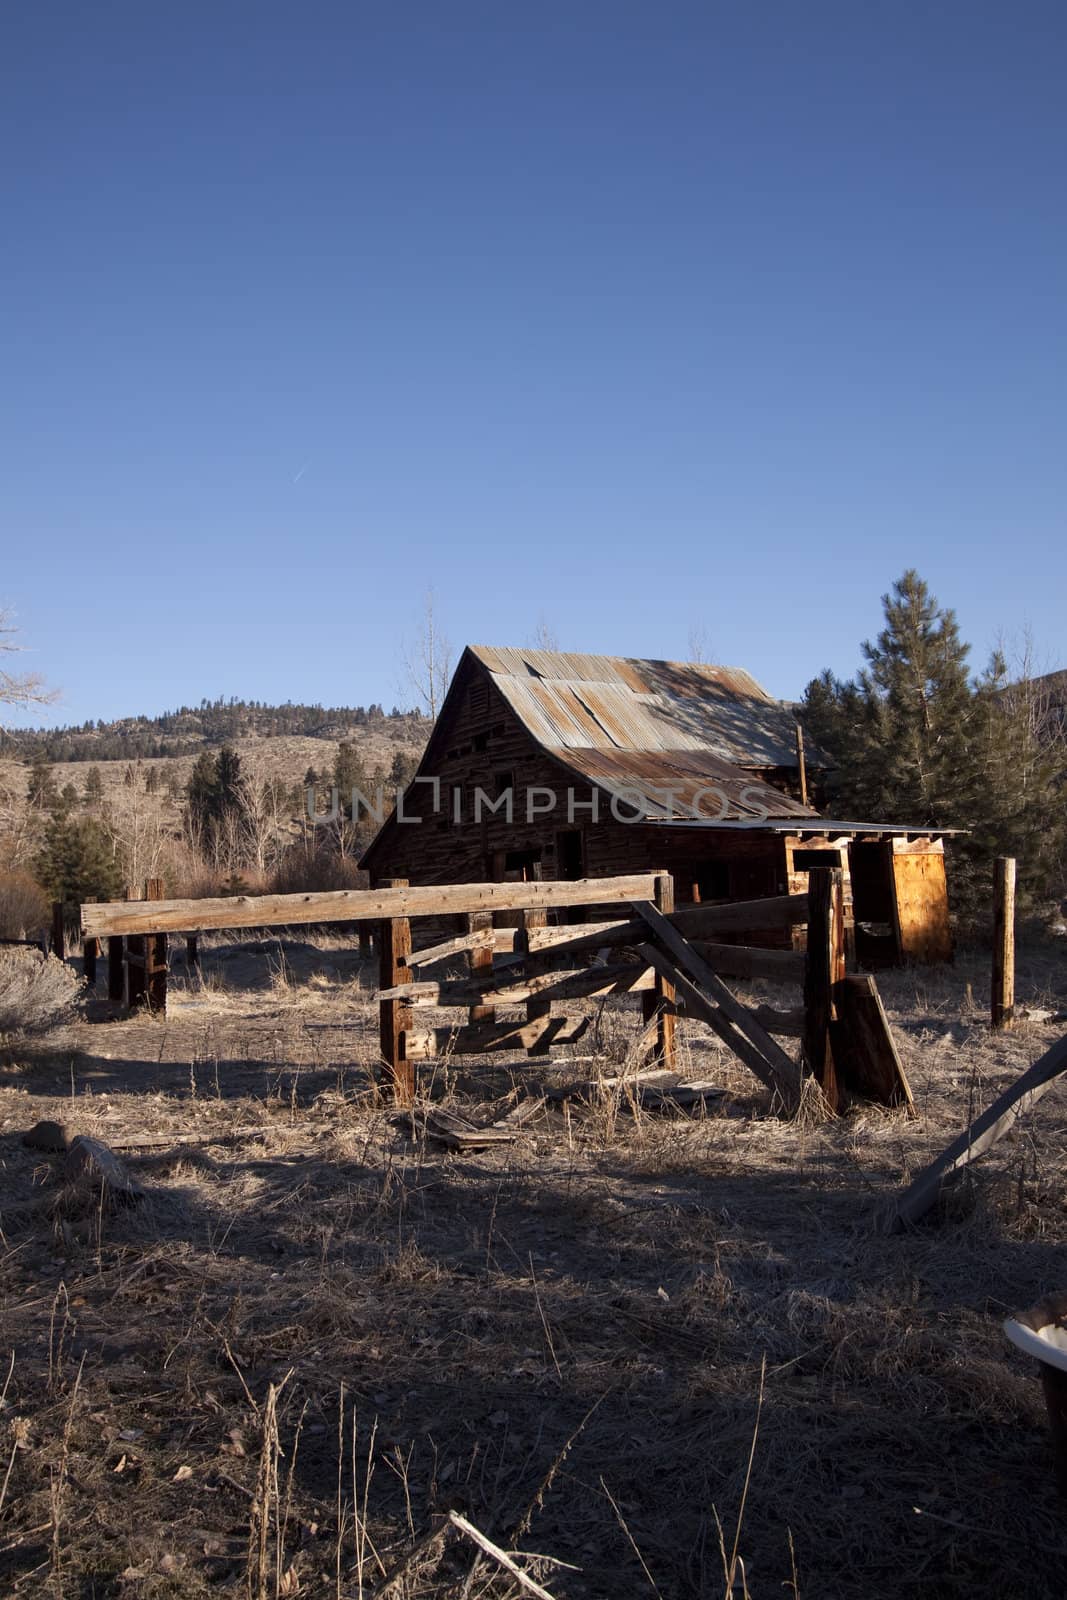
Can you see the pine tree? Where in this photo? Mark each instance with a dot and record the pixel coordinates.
(42, 792)
(77, 862)
(94, 786)
(915, 740)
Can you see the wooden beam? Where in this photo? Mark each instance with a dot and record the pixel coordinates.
(394, 1016)
(783, 1071)
(745, 961)
(353, 905)
(984, 1132)
(1002, 1010)
(59, 931)
(697, 1004)
(539, 1005)
(623, 977)
(824, 969)
(116, 969)
(802, 767)
(484, 938)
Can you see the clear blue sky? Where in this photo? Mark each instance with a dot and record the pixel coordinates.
(637, 317)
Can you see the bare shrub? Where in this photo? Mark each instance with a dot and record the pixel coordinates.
(305, 870)
(36, 993)
(24, 906)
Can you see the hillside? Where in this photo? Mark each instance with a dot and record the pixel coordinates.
(186, 731)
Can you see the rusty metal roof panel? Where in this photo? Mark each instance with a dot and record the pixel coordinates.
(569, 701)
(682, 786)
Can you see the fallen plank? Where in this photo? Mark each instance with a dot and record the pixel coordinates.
(482, 1036)
(984, 1132)
(586, 1088)
(784, 1073)
(695, 922)
(110, 918)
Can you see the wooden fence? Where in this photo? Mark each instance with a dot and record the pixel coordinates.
(675, 960)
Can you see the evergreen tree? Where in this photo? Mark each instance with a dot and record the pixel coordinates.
(914, 740)
(77, 862)
(94, 786)
(151, 780)
(42, 792)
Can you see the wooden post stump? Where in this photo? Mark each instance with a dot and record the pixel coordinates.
(394, 1016)
(1003, 997)
(479, 961)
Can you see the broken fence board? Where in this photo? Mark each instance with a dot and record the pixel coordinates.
(984, 1132)
(483, 939)
(621, 978)
(868, 1062)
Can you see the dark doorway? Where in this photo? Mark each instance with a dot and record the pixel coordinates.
(570, 857)
(870, 867)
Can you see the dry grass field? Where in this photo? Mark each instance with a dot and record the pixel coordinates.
(627, 1344)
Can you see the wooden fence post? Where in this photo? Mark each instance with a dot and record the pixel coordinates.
(90, 952)
(116, 968)
(1003, 998)
(135, 958)
(157, 955)
(59, 931)
(659, 1002)
(824, 967)
(479, 961)
(394, 1016)
(537, 1007)
(365, 943)
(192, 952)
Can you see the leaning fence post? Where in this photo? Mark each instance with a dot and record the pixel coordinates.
(394, 1016)
(1003, 997)
(659, 1002)
(824, 967)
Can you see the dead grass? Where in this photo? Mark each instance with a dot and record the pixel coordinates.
(306, 1350)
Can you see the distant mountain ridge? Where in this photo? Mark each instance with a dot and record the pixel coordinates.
(214, 722)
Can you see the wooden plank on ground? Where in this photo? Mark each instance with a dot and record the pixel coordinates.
(783, 1071)
(984, 1132)
(868, 1062)
(353, 905)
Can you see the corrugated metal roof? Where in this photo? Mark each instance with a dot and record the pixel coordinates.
(682, 785)
(572, 702)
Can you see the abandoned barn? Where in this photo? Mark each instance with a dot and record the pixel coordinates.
(553, 765)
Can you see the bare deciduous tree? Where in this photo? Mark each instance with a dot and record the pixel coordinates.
(19, 689)
(699, 646)
(544, 636)
(428, 663)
